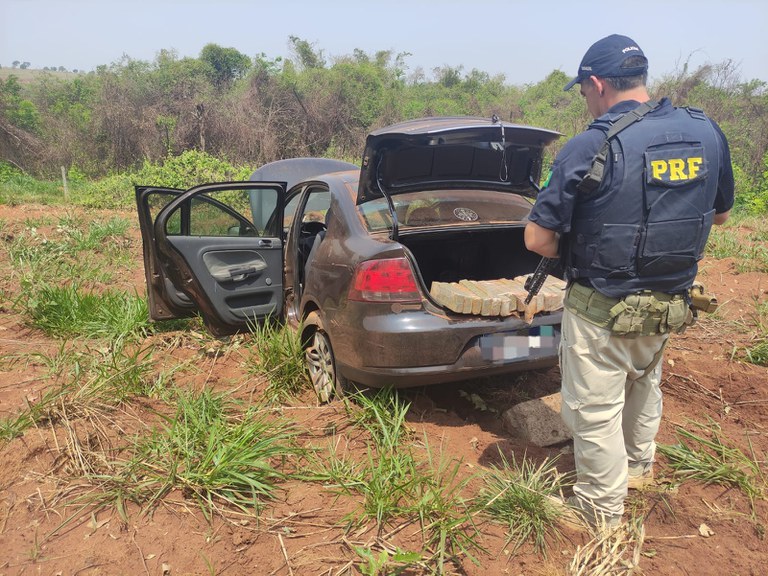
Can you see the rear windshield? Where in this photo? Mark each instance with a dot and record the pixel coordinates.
(446, 208)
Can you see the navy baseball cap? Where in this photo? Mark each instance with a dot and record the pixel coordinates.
(605, 57)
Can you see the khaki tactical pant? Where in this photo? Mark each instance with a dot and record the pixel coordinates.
(611, 401)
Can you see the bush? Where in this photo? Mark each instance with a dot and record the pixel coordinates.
(8, 172)
(115, 191)
(751, 195)
(189, 169)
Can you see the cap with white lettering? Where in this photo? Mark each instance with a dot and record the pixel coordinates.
(605, 59)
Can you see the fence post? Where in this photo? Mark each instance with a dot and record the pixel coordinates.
(64, 180)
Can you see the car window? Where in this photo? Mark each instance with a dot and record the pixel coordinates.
(155, 202)
(290, 210)
(227, 212)
(446, 207)
(318, 202)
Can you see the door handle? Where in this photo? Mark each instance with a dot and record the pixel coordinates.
(239, 273)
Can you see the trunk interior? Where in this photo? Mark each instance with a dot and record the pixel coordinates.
(451, 256)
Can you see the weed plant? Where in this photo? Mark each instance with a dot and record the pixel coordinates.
(121, 372)
(520, 497)
(277, 353)
(390, 562)
(447, 520)
(706, 457)
(19, 189)
(34, 257)
(74, 249)
(221, 460)
(107, 237)
(400, 485)
(35, 413)
(68, 311)
(89, 382)
(750, 253)
(723, 243)
(758, 352)
(382, 415)
(753, 258)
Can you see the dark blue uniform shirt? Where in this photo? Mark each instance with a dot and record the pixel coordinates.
(555, 204)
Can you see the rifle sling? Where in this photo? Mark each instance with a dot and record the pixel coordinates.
(594, 175)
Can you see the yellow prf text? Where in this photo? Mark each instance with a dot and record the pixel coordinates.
(676, 169)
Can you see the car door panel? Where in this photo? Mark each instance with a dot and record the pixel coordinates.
(202, 254)
(232, 281)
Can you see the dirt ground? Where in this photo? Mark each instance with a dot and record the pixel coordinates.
(43, 531)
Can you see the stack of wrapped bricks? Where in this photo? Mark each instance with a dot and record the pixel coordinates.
(500, 297)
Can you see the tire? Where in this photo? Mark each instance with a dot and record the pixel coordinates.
(320, 361)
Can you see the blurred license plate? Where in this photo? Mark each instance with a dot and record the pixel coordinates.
(535, 342)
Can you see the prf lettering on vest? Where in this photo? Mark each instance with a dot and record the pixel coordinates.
(676, 169)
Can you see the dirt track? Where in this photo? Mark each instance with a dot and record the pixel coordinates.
(303, 532)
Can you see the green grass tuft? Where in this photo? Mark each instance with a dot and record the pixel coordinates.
(519, 496)
(706, 457)
(278, 355)
(222, 461)
(382, 415)
(67, 311)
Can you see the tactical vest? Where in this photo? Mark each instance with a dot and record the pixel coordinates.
(647, 228)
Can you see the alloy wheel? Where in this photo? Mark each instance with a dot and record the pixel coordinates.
(320, 364)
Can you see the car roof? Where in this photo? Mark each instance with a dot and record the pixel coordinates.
(295, 170)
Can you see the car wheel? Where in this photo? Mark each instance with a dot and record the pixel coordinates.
(320, 361)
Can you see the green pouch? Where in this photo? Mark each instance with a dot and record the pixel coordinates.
(679, 316)
(590, 305)
(626, 319)
(639, 315)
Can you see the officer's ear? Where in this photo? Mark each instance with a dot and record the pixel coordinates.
(599, 84)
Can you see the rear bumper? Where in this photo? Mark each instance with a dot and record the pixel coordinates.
(430, 375)
(420, 348)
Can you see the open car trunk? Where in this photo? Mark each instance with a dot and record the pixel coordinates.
(481, 272)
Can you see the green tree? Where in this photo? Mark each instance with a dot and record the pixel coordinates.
(25, 116)
(226, 64)
(19, 111)
(545, 104)
(309, 58)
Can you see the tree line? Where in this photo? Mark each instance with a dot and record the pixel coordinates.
(250, 111)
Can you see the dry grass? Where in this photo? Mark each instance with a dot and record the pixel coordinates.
(610, 552)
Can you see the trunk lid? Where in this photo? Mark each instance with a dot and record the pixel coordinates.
(453, 152)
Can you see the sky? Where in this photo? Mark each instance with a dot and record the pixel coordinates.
(524, 40)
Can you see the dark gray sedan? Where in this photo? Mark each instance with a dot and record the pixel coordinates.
(350, 254)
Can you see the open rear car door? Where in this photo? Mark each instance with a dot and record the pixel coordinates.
(216, 250)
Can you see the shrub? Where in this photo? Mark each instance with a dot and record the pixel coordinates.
(189, 169)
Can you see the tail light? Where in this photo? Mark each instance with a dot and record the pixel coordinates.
(385, 280)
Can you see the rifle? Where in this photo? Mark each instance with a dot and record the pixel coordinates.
(535, 281)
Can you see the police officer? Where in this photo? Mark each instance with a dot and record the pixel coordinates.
(628, 206)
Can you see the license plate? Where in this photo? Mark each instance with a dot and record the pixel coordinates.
(535, 342)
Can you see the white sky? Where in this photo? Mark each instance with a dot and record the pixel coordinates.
(523, 39)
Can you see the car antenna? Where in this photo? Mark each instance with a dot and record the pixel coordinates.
(503, 169)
